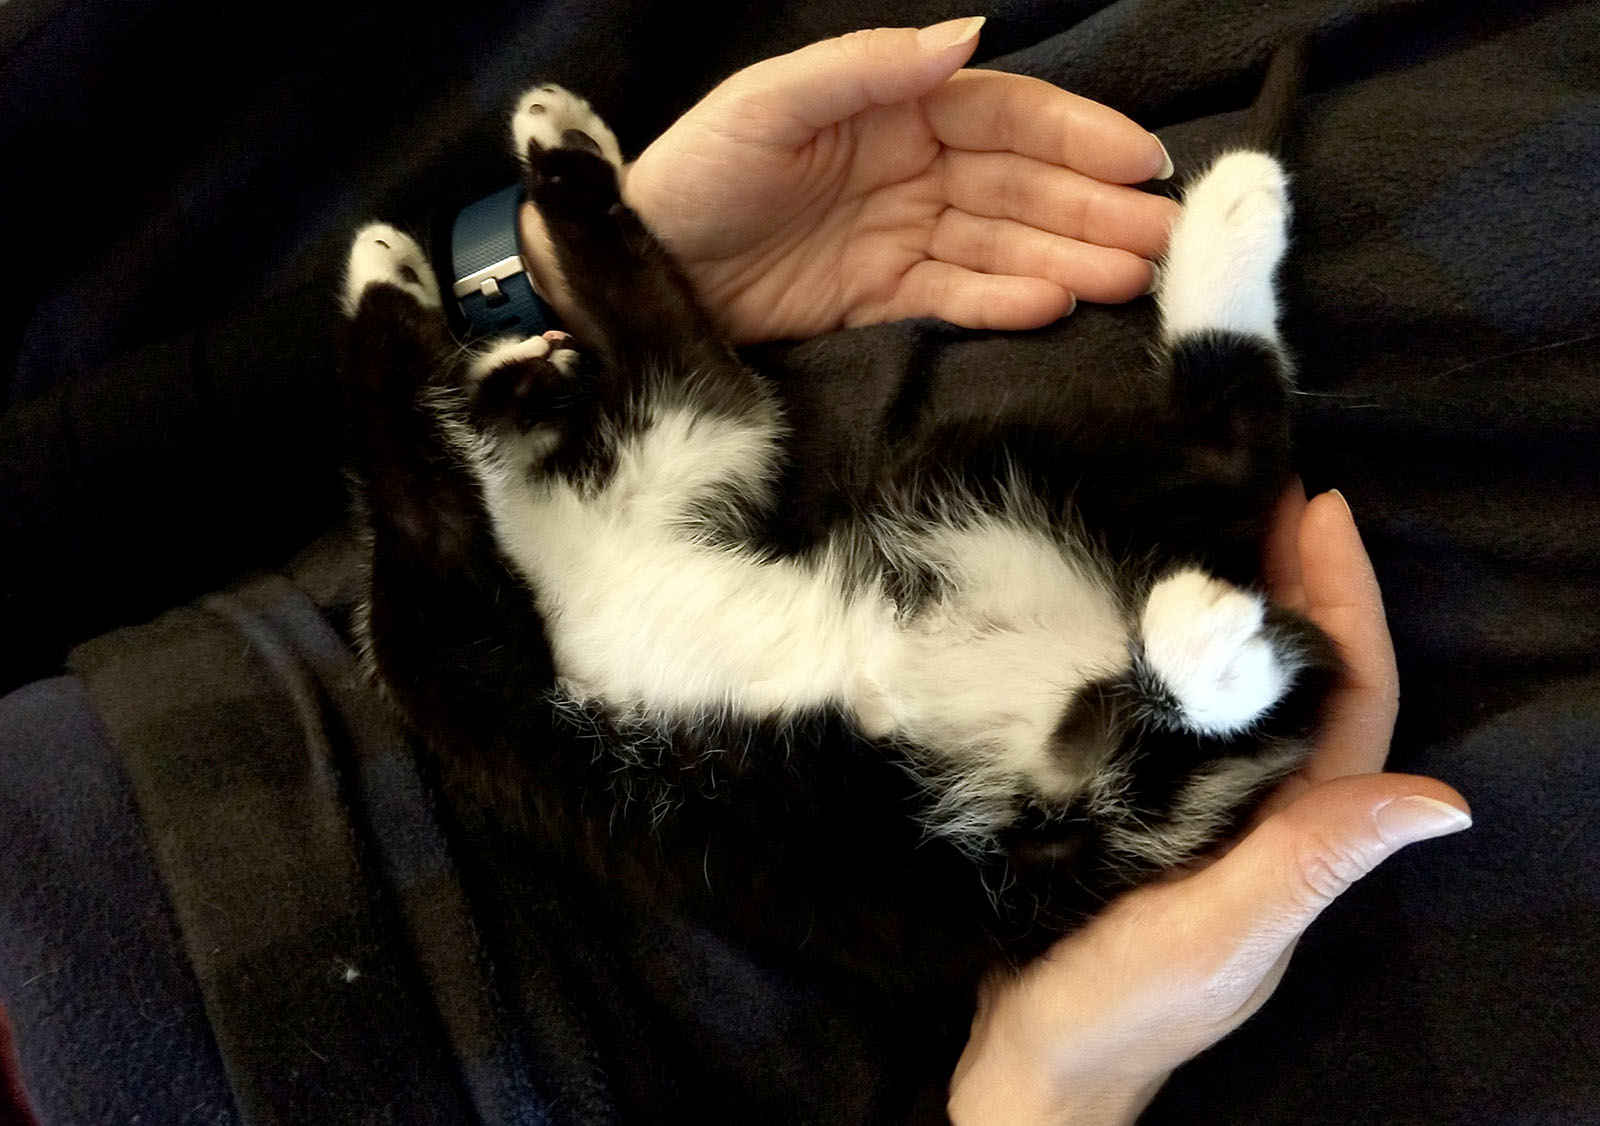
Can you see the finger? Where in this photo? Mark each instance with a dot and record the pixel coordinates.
(1004, 185)
(825, 83)
(971, 300)
(1000, 246)
(1343, 598)
(1257, 899)
(989, 111)
(1280, 553)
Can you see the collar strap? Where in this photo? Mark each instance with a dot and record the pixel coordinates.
(492, 287)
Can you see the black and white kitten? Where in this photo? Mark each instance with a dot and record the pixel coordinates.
(1023, 671)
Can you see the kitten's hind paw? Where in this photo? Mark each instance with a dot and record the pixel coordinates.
(552, 118)
(382, 255)
(1208, 644)
(1225, 249)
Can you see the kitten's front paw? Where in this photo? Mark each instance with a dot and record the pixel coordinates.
(1207, 643)
(554, 347)
(518, 391)
(382, 255)
(552, 118)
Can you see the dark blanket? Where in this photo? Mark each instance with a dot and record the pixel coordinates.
(232, 894)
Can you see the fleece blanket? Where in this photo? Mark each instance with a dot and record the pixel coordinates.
(231, 893)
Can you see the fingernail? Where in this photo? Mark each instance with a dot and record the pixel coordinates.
(942, 36)
(1347, 512)
(1416, 818)
(1155, 279)
(1166, 162)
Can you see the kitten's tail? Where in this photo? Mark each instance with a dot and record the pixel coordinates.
(1267, 122)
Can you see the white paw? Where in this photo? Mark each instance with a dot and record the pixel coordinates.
(1204, 639)
(557, 119)
(505, 352)
(382, 255)
(1225, 249)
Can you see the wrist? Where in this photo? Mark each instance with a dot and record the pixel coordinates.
(990, 1094)
(1009, 1074)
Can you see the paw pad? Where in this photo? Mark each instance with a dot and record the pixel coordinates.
(553, 118)
(382, 255)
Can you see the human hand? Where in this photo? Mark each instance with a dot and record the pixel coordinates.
(867, 178)
(1090, 1031)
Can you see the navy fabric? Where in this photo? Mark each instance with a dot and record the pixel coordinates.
(169, 425)
(299, 851)
(106, 1009)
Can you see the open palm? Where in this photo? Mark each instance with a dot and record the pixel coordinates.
(864, 179)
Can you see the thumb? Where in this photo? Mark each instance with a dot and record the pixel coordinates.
(1281, 876)
(817, 86)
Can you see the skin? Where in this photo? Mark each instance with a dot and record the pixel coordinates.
(868, 178)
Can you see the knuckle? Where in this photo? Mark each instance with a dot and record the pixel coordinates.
(867, 43)
(1094, 213)
(1324, 871)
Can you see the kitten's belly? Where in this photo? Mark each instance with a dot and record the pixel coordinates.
(652, 625)
(989, 672)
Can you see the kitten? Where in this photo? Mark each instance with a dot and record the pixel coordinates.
(1024, 671)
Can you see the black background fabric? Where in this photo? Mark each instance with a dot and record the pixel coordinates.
(180, 182)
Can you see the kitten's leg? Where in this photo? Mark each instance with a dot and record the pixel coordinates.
(397, 344)
(528, 396)
(1219, 324)
(632, 304)
(445, 624)
(384, 256)
(662, 384)
(1218, 655)
(1218, 451)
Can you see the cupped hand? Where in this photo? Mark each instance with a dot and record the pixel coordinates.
(1088, 1033)
(867, 178)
